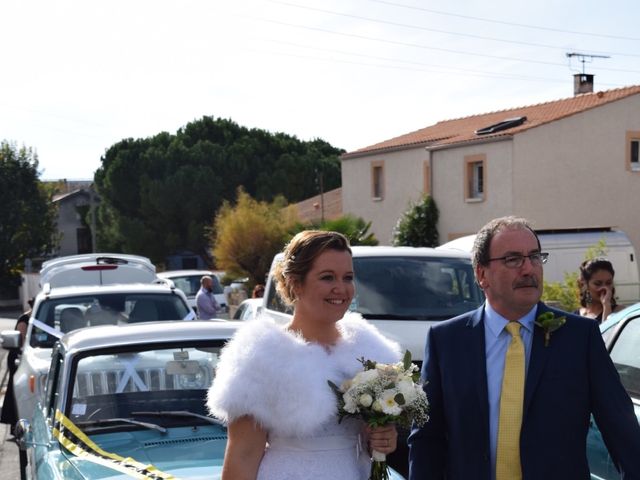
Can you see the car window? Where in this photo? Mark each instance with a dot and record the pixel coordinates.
(71, 313)
(190, 284)
(414, 287)
(126, 383)
(626, 356)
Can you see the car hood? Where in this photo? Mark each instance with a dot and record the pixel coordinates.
(183, 453)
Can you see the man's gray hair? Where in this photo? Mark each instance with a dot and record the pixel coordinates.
(480, 253)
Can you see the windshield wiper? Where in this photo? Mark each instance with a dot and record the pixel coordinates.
(115, 421)
(180, 413)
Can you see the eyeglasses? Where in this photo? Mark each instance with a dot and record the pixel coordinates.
(516, 261)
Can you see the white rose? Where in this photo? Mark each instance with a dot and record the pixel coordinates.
(377, 406)
(366, 376)
(408, 391)
(365, 400)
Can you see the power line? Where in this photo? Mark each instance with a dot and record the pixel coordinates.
(435, 30)
(500, 22)
(426, 47)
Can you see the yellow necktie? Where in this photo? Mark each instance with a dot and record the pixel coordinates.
(511, 401)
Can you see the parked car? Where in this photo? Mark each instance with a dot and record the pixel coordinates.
(121, 399)
(402, 290)
(189, 282)
(59, 310)
(621, 333)
(248, 309)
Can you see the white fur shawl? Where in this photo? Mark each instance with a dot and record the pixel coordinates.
(281, 380)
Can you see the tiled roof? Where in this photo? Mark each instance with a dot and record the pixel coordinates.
(310, 210)
(462, 130)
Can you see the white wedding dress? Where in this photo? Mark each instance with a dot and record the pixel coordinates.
(281, 381)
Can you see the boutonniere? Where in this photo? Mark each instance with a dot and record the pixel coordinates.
(549, 323)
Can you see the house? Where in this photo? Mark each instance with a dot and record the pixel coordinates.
(73, 226)
(570, 163)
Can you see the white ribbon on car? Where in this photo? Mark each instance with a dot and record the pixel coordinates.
(47, 328)
(130, 373)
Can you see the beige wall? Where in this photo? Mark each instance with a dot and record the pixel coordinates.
(403, 183)
(459, 216)
(572, 173)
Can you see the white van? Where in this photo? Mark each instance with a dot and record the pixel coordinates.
(402, 290)
(567, 250)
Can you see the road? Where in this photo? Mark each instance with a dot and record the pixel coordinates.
(9, 464)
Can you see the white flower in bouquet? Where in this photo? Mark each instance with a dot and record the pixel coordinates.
(365, 400)
(389, 404)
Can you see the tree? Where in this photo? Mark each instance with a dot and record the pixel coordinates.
(159, 195)
(27, 215)
(249, 234)
(417, 227)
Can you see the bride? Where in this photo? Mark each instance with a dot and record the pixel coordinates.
(271, 380)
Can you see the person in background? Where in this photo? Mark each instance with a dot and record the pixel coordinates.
(597, 292)
(9, 411)
(258, 291)
(205, 299)
(509, 397)
(271, 383)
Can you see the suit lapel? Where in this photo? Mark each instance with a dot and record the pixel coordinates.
(537, 361)
(478, 366)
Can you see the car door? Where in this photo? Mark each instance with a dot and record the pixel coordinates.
(624, 348)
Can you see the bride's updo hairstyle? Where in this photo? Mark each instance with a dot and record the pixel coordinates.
(299, 255)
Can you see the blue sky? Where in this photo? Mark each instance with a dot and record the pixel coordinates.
(79, 76)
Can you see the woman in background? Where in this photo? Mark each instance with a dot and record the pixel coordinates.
(597, 291)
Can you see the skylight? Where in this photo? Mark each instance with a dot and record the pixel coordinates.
(503, 125)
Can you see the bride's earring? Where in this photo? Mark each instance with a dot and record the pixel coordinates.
(588, 298)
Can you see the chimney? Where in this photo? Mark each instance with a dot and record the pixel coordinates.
(582, 83)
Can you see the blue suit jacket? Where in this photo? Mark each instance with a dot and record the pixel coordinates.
(566, 382)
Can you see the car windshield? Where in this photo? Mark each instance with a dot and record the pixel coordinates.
(62, 315)
(190, 284)
(429, 288)
(626, 358)
(147, 388)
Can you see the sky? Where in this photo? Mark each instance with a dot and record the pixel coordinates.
(79, 76)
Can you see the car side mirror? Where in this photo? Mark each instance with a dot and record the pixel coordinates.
(11, 339)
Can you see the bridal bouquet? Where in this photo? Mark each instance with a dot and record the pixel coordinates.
(381, 394)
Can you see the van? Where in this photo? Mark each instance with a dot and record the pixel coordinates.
(568, 248)
(402, 291)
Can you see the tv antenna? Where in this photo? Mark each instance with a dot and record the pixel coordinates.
(584, 57)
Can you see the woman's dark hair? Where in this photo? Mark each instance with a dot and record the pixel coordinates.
(299, 255)
(587, 269)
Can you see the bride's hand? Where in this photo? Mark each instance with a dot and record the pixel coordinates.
(383, 439)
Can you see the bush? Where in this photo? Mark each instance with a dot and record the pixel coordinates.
(417, 227)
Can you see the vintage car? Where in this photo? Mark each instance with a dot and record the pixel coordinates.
(129, 401)
(121, 401)
(621, 333)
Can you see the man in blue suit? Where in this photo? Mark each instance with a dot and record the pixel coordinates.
(567, 375)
